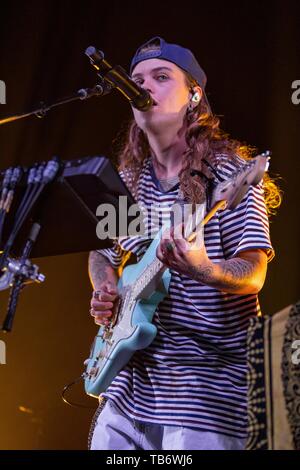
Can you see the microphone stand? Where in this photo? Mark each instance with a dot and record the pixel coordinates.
(108, 78)
(101, 88)
(25, 272)
(17, 273)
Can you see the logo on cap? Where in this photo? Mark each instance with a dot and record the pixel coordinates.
(184, 58)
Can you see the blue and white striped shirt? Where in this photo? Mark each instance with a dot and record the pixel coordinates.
(194, 372)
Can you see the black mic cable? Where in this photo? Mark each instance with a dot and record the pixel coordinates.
(8, 191)
(24, 202)
(4, 191)
(39, 176)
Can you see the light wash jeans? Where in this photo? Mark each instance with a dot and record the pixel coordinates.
(113, 430)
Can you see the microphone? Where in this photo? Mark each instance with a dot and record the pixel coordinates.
(117, 77)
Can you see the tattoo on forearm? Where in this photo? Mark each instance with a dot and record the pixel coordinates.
(100, 268)
(235, 273)
(201, 274)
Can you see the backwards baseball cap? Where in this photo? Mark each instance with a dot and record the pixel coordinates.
(158, 48)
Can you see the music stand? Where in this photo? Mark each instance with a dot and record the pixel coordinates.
(68, 216)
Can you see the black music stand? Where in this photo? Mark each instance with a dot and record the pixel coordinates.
(68, 216)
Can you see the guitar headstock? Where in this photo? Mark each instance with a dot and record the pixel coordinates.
(234, 188)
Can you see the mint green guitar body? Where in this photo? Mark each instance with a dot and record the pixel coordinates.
(133, 328)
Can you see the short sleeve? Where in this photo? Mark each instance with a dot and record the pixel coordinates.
(114, 254)
(247, 226)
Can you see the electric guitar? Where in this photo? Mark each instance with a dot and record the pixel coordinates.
(144, 285)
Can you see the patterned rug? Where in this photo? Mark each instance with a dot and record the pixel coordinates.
(274, 381)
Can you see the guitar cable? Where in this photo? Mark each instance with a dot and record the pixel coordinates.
(66, 388)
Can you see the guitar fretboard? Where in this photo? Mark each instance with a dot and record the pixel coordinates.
(150, 272)
(156, 267)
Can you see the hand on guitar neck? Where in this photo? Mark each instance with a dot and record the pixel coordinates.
(243, 274)
(188, 258)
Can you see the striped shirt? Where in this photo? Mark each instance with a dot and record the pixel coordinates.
(194, 372)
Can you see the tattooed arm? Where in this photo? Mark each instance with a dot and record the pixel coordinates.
(100, 270)
(244, 274)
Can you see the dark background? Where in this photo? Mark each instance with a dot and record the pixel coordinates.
(250, 52)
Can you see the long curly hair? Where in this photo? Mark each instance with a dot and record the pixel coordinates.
(205, 141)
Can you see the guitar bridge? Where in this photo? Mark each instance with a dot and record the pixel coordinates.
(93, 371)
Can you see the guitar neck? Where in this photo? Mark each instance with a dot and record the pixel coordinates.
(221, 205)
(149, 278)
